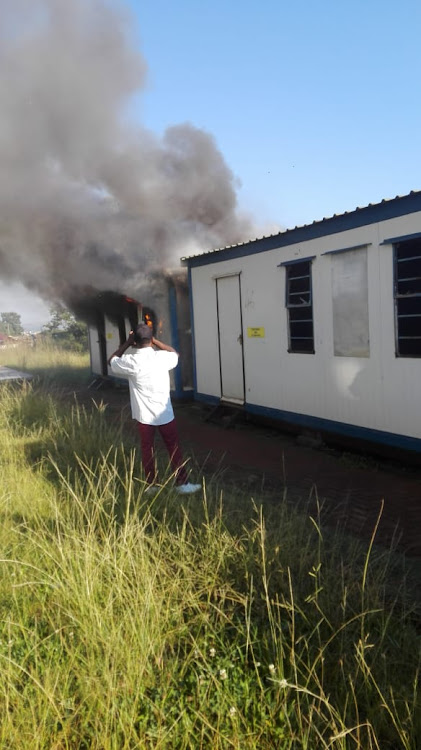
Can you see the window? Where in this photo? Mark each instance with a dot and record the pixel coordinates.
(408, 298)
(350, 303)
(299, 304)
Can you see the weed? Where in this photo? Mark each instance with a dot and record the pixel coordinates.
(130, 622)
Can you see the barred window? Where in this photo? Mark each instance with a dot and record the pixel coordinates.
(299, 304)
(407, 258)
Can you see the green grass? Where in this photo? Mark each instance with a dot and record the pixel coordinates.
(48, 363)
(225, 621)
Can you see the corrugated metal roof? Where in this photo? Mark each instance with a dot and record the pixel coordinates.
(354, 218)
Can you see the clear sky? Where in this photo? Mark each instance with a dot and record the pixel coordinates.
(315, 106)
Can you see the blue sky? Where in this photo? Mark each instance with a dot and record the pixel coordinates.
(315, 106)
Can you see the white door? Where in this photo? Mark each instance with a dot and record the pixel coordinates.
(230, 331)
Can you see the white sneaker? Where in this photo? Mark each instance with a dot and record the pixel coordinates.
(188, 489)
(152, 489)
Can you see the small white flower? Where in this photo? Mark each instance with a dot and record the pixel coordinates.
(223, 674)
(257, 664)
(212, 652)
(71, 634)
(272, 669)
(233, 711)
(283, 683)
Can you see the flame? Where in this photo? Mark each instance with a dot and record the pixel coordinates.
(148, 320)
(133, 301)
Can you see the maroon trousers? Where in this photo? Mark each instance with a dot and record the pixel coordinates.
(169, 435)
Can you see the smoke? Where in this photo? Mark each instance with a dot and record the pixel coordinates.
(86, 197)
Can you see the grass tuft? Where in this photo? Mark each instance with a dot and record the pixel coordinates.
(230, 622)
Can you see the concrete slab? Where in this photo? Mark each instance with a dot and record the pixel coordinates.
(7, 373)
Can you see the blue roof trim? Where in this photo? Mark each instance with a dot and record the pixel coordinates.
(404, 238)
(371, 214)
(297, 260)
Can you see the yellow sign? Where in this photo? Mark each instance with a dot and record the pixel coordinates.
(256, 333)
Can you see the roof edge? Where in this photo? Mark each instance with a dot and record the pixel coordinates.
(370, 214)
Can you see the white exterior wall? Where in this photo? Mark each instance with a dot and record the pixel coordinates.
(206, 351)
(379, 392)
(94, 350)
(112, 339)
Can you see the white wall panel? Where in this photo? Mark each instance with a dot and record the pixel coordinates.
(112, 339)
(377, 390)
(95, 351)
(205, 332)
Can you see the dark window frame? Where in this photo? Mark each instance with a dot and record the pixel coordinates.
(407, 297)
(299, 304)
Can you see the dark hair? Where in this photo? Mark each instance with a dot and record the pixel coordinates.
(143, 333)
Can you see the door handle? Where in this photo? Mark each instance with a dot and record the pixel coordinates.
(240, 339)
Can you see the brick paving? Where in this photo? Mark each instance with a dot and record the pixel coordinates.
(350, 487)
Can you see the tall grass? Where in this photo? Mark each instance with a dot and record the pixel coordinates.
(219, 622)
(48, 363)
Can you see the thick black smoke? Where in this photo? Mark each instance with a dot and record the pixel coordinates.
(87, 199)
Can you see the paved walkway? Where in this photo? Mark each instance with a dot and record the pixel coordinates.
(351, 488)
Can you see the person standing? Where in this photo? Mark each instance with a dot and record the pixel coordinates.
(147, 370)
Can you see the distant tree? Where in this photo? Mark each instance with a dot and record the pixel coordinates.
(66, 330)
(60, 319)
(10, 323)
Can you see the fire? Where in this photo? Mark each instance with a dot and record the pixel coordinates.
(148, 320)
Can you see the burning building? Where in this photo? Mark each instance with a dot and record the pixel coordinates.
(111, 316)
(90, 200)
